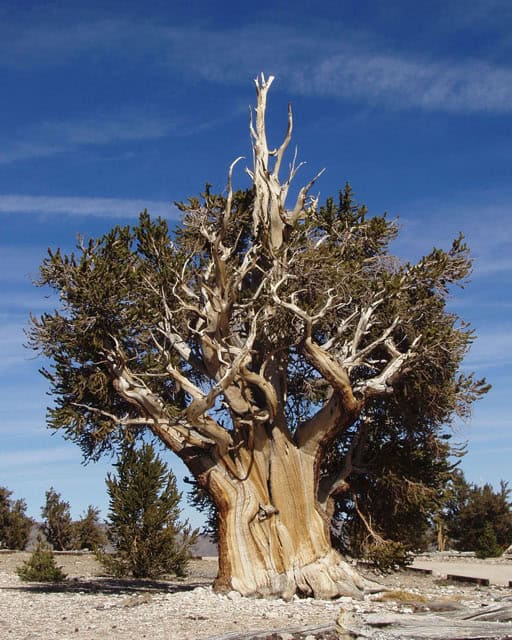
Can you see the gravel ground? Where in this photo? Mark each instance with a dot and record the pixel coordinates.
(89, 606)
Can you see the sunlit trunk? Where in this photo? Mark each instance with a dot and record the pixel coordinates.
(273, 540)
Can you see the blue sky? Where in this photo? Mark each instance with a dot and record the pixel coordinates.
(107, 108)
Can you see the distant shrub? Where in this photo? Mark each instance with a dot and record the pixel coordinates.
(487, 545)
(58, 526)
(479, 518)
(15, 525)
(41, 567)
(88, 533)
(388, 555)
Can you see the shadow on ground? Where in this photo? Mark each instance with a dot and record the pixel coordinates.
(109, 586)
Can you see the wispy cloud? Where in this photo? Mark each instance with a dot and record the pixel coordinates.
(21, 411)
(360, 69)
(12, 339)
(12, 428)
(493, 348)
(493, 266)
(21, 302)
(48, 139)
(352, 70)
(429, 223)
(486, 433)
(474, 14)
(50, 44)
(404, 82)
(27, 457)
(76, 206)
(18, 264)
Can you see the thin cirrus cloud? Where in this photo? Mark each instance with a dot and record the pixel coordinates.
(352, 71)
(399, 82)
(16, 459)
(12, 339)
(52, 138)
(493, 348)
(49, 45)
(358, 69)
(47, 139)
(21, 302)
(17, 264)
(430, 222)
(77, 206)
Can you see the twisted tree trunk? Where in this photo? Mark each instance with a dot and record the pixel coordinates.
(274, 536)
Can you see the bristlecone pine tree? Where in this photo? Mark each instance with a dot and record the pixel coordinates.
(58, 525)
(478, 518)
(88, 532)
(250, 344)
(143, 521)
(41, 566)
(15, 525)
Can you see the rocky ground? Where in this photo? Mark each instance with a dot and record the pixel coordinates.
(89, 606)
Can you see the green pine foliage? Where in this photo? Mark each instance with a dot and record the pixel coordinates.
(398, 482)
(58, 526)
(143, 519)
(478, 518)
(487, 546)
(15, 525)
(106, 301)
(41, 566)
(88, 532)
(387, 555)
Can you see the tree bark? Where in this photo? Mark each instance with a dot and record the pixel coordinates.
(274, 538)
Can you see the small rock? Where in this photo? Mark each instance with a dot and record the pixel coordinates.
(234, 595)
(379, 620)
(135, 601)
(442, 605)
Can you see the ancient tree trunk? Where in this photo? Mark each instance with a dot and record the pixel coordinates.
(273, 535)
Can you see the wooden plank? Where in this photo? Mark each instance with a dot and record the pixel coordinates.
(419, 570)
(484, 582)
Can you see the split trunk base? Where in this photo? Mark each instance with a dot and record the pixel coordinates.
(327, 577)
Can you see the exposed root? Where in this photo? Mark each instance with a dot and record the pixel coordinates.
(327, 578)
(332, 577)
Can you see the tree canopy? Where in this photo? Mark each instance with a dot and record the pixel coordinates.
(126, 295)
(258, 341)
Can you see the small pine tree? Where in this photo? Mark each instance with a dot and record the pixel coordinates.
(15, 525)
(487, 546)
(41, 567)
(58, 526)
(475, 516)
(88, 533)
(143, 520)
